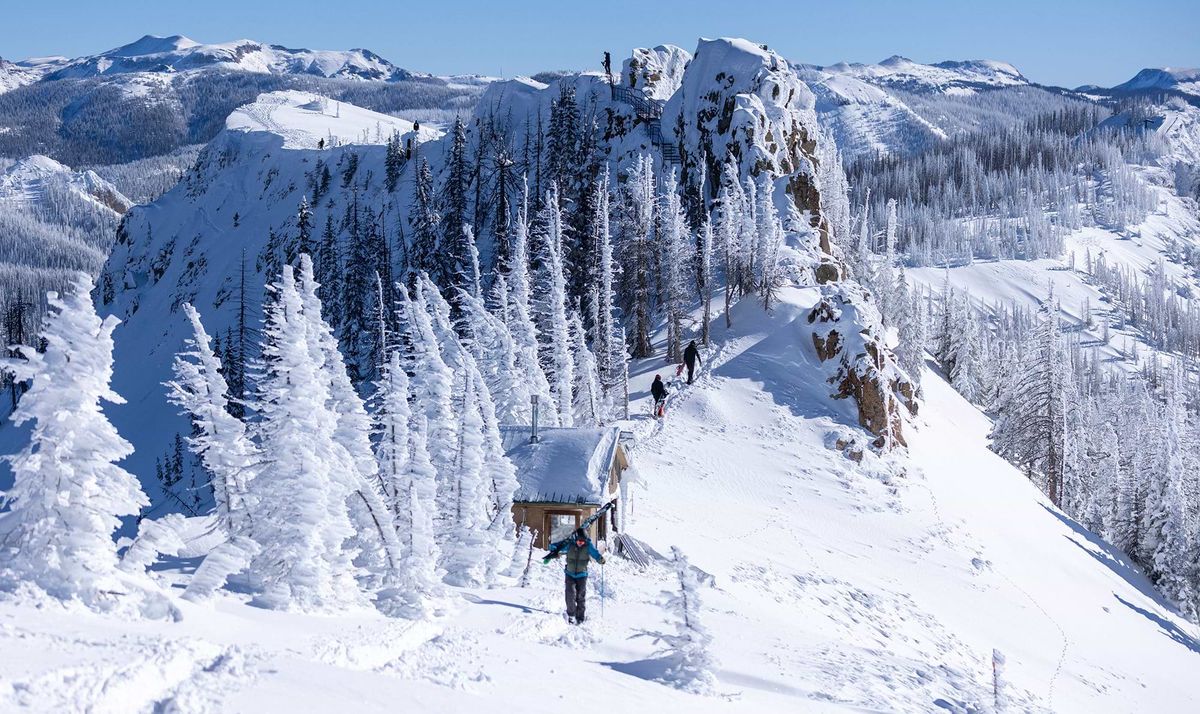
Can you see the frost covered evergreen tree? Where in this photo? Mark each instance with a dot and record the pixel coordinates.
(412, 493)
(375, 539)
(673, 244)
(609, 344)
(688, 650)
(587, 396)
(432, 385)
(558, 364)
(300, 517)
(637, 235)
(705, 277)
(465, 553)
(494, 349)
(519, 318)
(68, 494)
(219, 438)
(424, 221)
(1030, 410)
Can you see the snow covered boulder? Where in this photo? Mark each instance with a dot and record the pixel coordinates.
(657, 72)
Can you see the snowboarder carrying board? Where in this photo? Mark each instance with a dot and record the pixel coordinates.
(658, 390)
(691, 357)
(579, 550)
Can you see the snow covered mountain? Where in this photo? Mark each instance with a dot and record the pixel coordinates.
(901, 107)
(159, 94)
(1164, 79)
(176, 53)
(14, 75)
(938, 580)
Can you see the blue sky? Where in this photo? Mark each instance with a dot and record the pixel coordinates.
(1062, 42)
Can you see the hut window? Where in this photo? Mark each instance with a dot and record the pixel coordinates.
(562, 524)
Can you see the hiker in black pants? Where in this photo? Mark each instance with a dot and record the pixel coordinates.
(578, 550)
(691, 357)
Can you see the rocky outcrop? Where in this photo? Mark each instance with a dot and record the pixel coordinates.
(848, 340)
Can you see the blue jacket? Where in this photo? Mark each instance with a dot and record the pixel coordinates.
(577, 558)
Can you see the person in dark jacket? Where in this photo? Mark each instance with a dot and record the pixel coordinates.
(658, 390)
(691, 357)
(579, 551)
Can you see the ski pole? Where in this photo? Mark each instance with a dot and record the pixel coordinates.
(603, 592)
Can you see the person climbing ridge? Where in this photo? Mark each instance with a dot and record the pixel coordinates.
(579, 551)
(658, 390)
(691, 357)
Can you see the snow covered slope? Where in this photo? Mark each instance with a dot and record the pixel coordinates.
(881, 585)
(181, 54)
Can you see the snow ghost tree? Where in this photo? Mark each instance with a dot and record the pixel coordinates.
(300, 516)
(219, 438)
(68, 493)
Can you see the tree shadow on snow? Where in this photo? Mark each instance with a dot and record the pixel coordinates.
(1110, 556)
(528, 610)
(1170, 629)
(653, 669)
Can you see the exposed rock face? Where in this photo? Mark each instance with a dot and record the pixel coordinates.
(742, 104)
(847, 338)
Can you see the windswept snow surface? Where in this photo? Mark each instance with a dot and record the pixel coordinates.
(302, 119)
(883, 585)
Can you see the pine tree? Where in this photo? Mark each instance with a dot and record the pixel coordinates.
(519, 318)
(609, 344)
(221, 440)
(587, 410)
(375, 537)
(304, 242)
(63, 545)
(637, 230)
(690, 660)
(425, 223)
(299, 512)
(432, 385)
(1030, 410)
(558, 365)
(411, 485)
(673, 244)
(452, 260)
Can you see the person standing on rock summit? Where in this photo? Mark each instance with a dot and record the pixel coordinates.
(579, 552)
(691, 357)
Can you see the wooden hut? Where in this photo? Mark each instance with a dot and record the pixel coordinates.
(565, 475)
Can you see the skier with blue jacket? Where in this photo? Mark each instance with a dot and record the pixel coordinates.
(579, 551)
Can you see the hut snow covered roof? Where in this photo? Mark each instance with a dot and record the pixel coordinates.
(565, 465)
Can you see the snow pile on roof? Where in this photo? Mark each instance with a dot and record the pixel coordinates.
(302, 119)
(180, 54)
(564, 466)
(657, 72)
